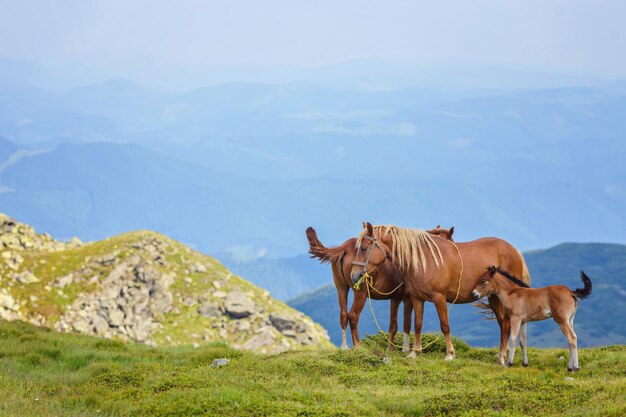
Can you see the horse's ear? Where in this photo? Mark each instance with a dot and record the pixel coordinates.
(370, 229)
(492, 270)
(450, 232)
(438, 226)
(364, 225)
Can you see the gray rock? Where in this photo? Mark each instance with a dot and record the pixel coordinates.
(238, 305)
(197, 268)
(64, 281)
(100, 325)
(259, 341)
(284, 322)
(26, 278)
(219, 362)
(7, 301)
(210, 310)
(116, 318)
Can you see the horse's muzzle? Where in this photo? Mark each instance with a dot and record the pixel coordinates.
(356, 276)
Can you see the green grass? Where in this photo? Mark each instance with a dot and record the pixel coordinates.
(43, 373)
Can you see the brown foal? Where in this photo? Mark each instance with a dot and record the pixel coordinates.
(524, 304)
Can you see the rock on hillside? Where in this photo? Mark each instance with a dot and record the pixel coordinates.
(140, 286)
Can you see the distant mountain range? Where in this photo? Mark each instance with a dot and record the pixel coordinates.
(241, 169)
(598, 320)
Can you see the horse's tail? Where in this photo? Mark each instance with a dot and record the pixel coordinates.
(321, 252)
(582, 293)
(488, 314)
(525, 273)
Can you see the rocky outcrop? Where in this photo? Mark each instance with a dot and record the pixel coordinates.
(133, 297)
(141, 287)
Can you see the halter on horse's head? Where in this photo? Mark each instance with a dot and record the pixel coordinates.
(375, 244)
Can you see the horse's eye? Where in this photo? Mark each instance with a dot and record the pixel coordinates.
(362, 249)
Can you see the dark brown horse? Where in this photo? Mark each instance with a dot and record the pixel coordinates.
(385, 280)
(431, 267)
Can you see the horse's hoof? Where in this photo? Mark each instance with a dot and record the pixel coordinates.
(572, 369)
(412, 355)
(509, 364)
(525, 364)
(449, 357)
(344, 347)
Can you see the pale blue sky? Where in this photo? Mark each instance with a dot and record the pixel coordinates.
(581, 37)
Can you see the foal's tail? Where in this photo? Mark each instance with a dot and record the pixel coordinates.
(582, 293)
(321, 252)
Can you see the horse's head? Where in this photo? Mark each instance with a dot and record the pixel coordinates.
(486, 286)
(371, 253)
(441, 232)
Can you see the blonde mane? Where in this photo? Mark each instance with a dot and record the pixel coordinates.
(409, 246)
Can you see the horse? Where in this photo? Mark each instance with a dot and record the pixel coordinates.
(385, 281)
(437, 270)
(524, 304)
(445, 233)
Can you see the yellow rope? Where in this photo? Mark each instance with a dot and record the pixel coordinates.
(368, 281)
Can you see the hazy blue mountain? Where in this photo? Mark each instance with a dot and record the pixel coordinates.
(284, 278)
(598, 320)
(261, 162)
(95, 190)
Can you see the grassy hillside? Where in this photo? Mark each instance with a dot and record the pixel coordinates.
(140, 286)
(43, 373)
(596, 322)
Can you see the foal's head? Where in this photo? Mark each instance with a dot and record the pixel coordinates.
(486, 286)
(441, 232)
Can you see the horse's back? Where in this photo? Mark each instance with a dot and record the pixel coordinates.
(494, 251)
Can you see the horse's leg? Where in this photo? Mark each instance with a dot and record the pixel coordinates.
(418, 306)
(571, 324)
(442, 311)
(568, 331)
(355, 313)
(408, 309)
(522, 343)
(516, 324)
(503, 322)
(342, 296)
(394, 306)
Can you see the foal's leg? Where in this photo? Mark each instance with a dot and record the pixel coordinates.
(568, 331)
(408, 309)
(505, 325)
(342, 296)
(393, 321)
(360, 297)
(522, 343)
(516, 324)
(571, 324)
(442, 312)
(418, 306)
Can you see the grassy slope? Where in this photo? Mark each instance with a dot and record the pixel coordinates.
(182, 324)
(43, 373)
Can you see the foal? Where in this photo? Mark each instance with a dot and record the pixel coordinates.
(524, 304)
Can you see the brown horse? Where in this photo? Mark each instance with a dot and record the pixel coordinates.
(431, 270)
(523, 304)
(385, 280)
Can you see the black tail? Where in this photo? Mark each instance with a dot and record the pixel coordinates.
(582, 293)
